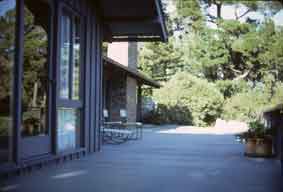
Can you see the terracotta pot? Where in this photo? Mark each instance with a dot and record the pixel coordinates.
(251, 146)
(264, 147)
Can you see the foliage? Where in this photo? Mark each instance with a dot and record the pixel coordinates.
(230, 88)
(35, 59)
(241, 59)
(199, 96)
(159, 60)
(205, 55)
(7, 23)
(248, 105)
(165, 114)
(189, 15)
(256, 130)
(234, 50)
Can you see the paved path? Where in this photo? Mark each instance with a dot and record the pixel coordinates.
(164, 161)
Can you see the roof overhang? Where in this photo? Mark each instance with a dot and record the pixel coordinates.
(273, 110)
(130, 20)
(140, 77)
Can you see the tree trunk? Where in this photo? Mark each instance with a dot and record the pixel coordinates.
(219, 6)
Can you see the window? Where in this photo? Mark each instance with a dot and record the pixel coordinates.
(76, 60)
(68, 127)
(65, 57)
(70, 57)
(35, 70)
(7, 54)
(70, 104)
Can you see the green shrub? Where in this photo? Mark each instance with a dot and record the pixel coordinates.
(277, 97)
(193, 95)
(244, 106)
(231, 87)
(169, 114)
(248, 105)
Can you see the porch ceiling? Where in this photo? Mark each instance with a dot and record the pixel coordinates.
(140, 77)
(129, 20)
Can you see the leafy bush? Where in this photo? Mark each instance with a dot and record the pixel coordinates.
(248, 105)
(200, 101)
(277, 97)
(169, 114)
(244, 106)
(256, 130)
(229, 87)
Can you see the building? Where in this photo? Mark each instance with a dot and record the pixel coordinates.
(122, 82)
(274, 121)
(51, 72)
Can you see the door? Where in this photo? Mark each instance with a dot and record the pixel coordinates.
(69, 78)
(36, 87)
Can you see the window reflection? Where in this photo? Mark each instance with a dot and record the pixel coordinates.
(65, 56)
(76, 60)
(68, 126)
(7, 53)
(35, 71)
(70, 57)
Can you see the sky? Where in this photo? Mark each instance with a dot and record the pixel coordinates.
(228, 13)
(278, 18)
(6, 5)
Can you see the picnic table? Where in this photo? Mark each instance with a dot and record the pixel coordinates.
(119, 132)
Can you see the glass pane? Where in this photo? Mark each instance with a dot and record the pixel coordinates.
(35, 71)
(65, 56)
(76, 60)
(7, 53)
(68, 126)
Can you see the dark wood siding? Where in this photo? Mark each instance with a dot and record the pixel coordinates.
(93, 77)
(91, 91)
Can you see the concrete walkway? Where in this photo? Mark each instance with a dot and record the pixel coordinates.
(164, 161)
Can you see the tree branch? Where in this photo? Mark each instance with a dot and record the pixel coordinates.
(242, 76)
(211, 16)
(245, 13)
(211, 21)
(235, 70)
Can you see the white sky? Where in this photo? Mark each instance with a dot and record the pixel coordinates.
(278, 18)
(6, 5)
(228, 13)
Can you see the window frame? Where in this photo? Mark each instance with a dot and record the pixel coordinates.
(61, 103)
(73, 15)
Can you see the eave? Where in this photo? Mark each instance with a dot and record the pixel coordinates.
(128, 20)
(140, 77)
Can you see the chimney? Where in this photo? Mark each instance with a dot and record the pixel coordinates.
(125, 53)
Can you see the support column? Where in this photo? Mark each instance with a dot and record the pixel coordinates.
(139, 103)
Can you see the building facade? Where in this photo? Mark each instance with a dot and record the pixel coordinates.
(122, 82)
(127, 54)
(51, 72)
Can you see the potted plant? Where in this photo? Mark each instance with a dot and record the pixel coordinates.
(258, 140)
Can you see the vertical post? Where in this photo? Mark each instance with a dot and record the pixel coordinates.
(18, 72)
(139, 103)
(54, 74)
(280, 133)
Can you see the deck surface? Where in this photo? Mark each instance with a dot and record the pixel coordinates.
(163, 161)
